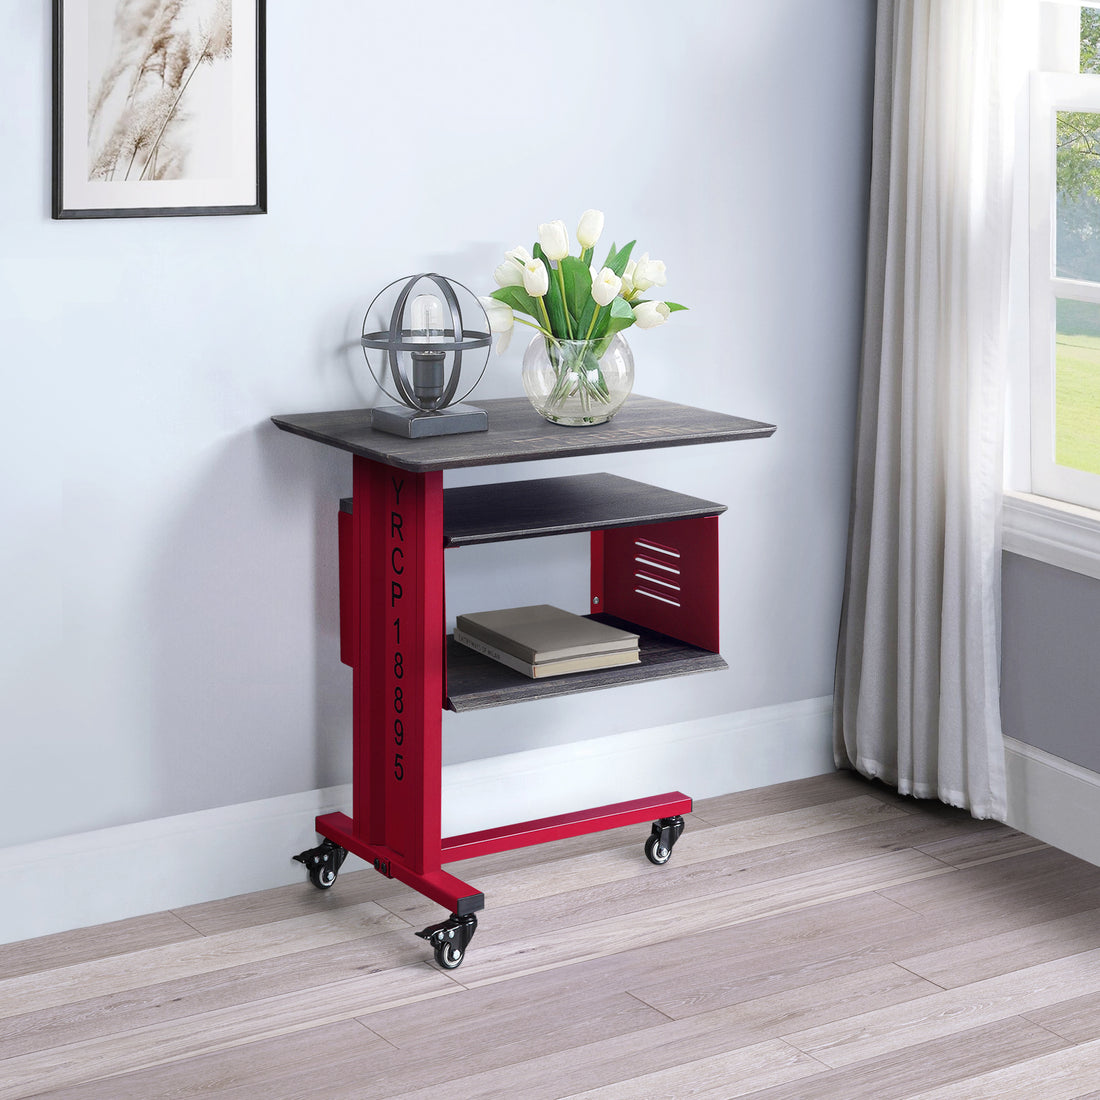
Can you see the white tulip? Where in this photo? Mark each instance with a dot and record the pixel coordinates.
(536, 278)
(628, 279)
(500, 314)
(501, 319)
(651, 314)
(590, 228)
(649, 273)
(605, 287)
(508, 273)
(519, 255)
(554, 238)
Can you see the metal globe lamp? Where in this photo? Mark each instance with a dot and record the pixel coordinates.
(418, 357)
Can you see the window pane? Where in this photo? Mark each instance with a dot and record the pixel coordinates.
(1078, 244)
(1090, 40)
(1077, 386)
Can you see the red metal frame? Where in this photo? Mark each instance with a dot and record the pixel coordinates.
(393, 636)
(507, 837)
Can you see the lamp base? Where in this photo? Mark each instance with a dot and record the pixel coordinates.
(416, 424)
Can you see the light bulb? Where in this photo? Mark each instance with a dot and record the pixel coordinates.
(427, 365)
(427, 318)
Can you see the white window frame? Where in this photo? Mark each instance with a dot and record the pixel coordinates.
(1043, 527)
(1051, 93)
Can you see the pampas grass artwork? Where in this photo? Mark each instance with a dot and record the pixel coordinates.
(158, 84)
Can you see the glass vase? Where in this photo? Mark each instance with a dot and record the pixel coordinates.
(578, 382)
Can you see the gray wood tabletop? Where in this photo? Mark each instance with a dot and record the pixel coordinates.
(517, 433)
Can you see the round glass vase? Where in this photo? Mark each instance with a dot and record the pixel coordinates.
(578, 382)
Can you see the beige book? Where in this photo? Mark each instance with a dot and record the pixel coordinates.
(544, 633)
(588, 663)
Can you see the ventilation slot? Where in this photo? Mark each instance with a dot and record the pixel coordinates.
(647, 579)
(654, 596)
(656, 548)
(662, 584)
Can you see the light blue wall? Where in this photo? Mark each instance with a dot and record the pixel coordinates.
(169, 636)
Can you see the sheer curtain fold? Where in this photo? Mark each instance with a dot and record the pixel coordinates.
(917, 699)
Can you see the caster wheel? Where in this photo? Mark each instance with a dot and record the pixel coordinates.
(655, 853)
(322, 877)
(323, 863)
(450, 939)
(658, 848)
(449, 956)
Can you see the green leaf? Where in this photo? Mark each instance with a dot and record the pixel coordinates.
(621, 316)
(584, 319)
(578, 290)
(555, 307)
(615, 318)
(672, 306)
(519, 300)
(617, 261)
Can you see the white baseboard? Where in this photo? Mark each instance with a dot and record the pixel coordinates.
(702, 758)
(110, 874)
(1053, 800)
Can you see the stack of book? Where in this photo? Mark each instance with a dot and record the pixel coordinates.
(545, 641)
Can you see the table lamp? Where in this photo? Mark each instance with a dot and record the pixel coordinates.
(424, 327)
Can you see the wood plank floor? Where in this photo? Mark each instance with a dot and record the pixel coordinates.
(822, 938)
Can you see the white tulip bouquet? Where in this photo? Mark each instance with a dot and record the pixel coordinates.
(578, 311)
(569, 299)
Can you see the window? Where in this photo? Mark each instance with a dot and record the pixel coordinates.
(1065, 270)
(1052, 510)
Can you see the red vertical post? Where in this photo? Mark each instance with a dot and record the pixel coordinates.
(397, 682)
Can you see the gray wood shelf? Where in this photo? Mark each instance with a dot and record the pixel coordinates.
(560, 505)
(502, 511)
(475, 682)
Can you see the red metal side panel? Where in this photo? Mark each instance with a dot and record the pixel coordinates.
(398, 680)
(663, 576)
(349, 590)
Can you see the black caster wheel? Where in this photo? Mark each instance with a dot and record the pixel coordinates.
(449, 956)
(659, 844)
(450, 939)
(655, 853)
(322, 877)
(323, 863)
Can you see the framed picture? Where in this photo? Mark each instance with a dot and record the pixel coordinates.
(158, 108)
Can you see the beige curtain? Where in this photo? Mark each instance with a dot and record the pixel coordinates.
(917, 700)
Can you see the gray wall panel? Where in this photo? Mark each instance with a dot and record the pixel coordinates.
(1050, 666)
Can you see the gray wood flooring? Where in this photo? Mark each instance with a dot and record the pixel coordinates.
(822, 938)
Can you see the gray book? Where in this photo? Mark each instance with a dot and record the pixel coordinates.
(544, 633)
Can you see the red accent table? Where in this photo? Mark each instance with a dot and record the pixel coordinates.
(654, 569)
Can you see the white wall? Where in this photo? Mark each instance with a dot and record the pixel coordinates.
(168, 582)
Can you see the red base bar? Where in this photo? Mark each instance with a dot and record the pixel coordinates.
(507, 837)
(439, 886)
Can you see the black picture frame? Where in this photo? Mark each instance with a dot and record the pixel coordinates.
(234, 110)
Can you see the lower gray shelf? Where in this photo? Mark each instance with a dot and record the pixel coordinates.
(475, 682)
